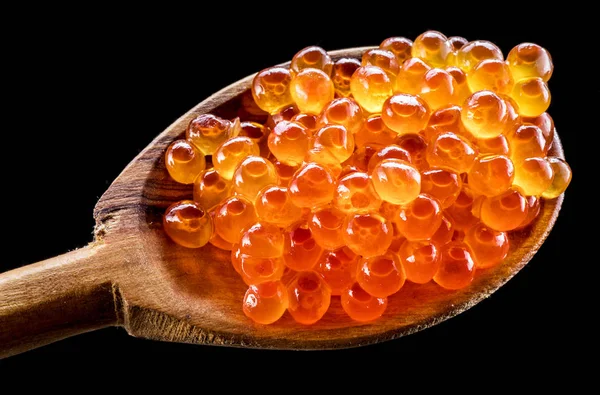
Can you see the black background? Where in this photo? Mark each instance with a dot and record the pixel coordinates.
(88, 93)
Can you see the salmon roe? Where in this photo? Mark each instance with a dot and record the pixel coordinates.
(184, 162)
(311, 89)
(370, 86)
(265, 303)
(367, 234)
(188, 224)
(373, 131)
(326, 225)
(336, 180)
(231, 153)
(233, 216)
(384, 59)
(309, 297)
(419, 219)
(288, 142)
(343, 69)
(457, 268)
(301, 251)
(259, 270)
(381, 275)
(404, 113)
(360, 305)
(274, 205)
(420, 259)
(338, 269)
(312, 57)
(401, 47)
(410, 76)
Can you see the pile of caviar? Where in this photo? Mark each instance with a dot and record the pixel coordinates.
(411, 164)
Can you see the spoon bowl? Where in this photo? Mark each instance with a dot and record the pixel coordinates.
(132, 275)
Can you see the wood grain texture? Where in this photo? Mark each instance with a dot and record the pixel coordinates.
(133, 275)
(57, 298)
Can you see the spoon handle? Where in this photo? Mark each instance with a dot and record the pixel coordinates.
(57, 298)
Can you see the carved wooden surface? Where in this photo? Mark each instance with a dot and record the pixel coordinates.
(133, 275)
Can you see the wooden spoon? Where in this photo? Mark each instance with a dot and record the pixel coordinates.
(133, 276)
